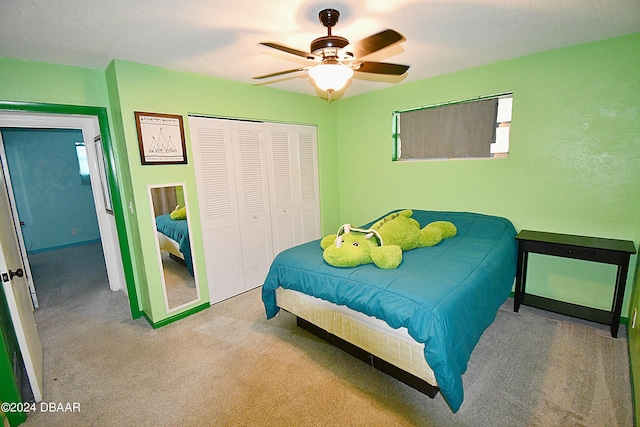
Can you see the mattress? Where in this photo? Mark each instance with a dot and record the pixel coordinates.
(169, 245)
(373, 335)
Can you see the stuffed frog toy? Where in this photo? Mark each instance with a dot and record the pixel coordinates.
(384, 242)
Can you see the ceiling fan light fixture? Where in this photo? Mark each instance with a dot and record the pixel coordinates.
(330, 77)
(338, 58)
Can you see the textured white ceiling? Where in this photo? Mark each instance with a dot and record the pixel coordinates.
(221, 38)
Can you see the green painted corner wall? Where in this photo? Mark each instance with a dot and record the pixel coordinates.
(123, 172)
(573, 165)
(145, 88)
(634, 342)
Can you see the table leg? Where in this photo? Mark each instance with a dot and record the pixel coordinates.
(618, 296)
(521, 276)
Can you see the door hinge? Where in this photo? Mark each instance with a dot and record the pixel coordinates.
(5, 277)
(19, 272)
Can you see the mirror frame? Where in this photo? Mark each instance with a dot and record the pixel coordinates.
(198, 298)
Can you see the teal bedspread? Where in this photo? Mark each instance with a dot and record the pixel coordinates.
(445, 295)
(177, 230)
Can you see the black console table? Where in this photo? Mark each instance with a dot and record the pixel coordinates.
(608, 251)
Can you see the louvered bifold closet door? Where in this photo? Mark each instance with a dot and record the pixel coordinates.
(282, 168)
(295, 212)
(258, 195)
(253, 201)
(309, 192)
(214, 166)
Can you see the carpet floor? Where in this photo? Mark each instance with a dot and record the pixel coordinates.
(229, 366)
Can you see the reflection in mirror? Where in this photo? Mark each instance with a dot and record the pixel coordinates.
(169, 209)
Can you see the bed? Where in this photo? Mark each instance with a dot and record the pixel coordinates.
(173, 237)
(423, 318)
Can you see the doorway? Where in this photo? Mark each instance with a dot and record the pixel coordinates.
(52, 190)
(90, 129)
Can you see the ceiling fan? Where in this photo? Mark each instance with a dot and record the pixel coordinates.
(337, 58)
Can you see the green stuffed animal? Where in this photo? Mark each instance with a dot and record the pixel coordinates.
(384, 242)
(178, 213)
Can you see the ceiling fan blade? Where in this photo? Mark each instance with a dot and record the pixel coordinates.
(382, 68)
(305, 55)
(279, 73)
(374, 43)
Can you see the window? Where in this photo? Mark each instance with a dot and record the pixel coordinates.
(475, 128)
(81, 152)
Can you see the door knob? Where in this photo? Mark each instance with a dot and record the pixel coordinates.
(18, 273)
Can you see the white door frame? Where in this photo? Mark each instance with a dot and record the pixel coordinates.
(106, 221)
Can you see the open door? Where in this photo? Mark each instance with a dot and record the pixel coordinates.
(16, 289)
(16, 223)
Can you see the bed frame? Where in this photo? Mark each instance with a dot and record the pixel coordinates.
(370, 359)
(366, 338)
(172, 247)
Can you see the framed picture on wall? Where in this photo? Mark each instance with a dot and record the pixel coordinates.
(161, 138)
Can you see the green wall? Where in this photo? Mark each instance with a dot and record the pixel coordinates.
(634, 342)
(60, 89)
(139, 87)
(50, 83)
(573, 165)
(9, 390)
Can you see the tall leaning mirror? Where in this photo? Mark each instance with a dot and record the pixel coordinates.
(174, 248)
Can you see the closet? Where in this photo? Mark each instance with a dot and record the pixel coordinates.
(258, 195)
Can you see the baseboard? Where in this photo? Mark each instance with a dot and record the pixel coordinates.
(70, 245)
(181, 315)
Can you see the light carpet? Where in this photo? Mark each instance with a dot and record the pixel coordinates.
(229, 366)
